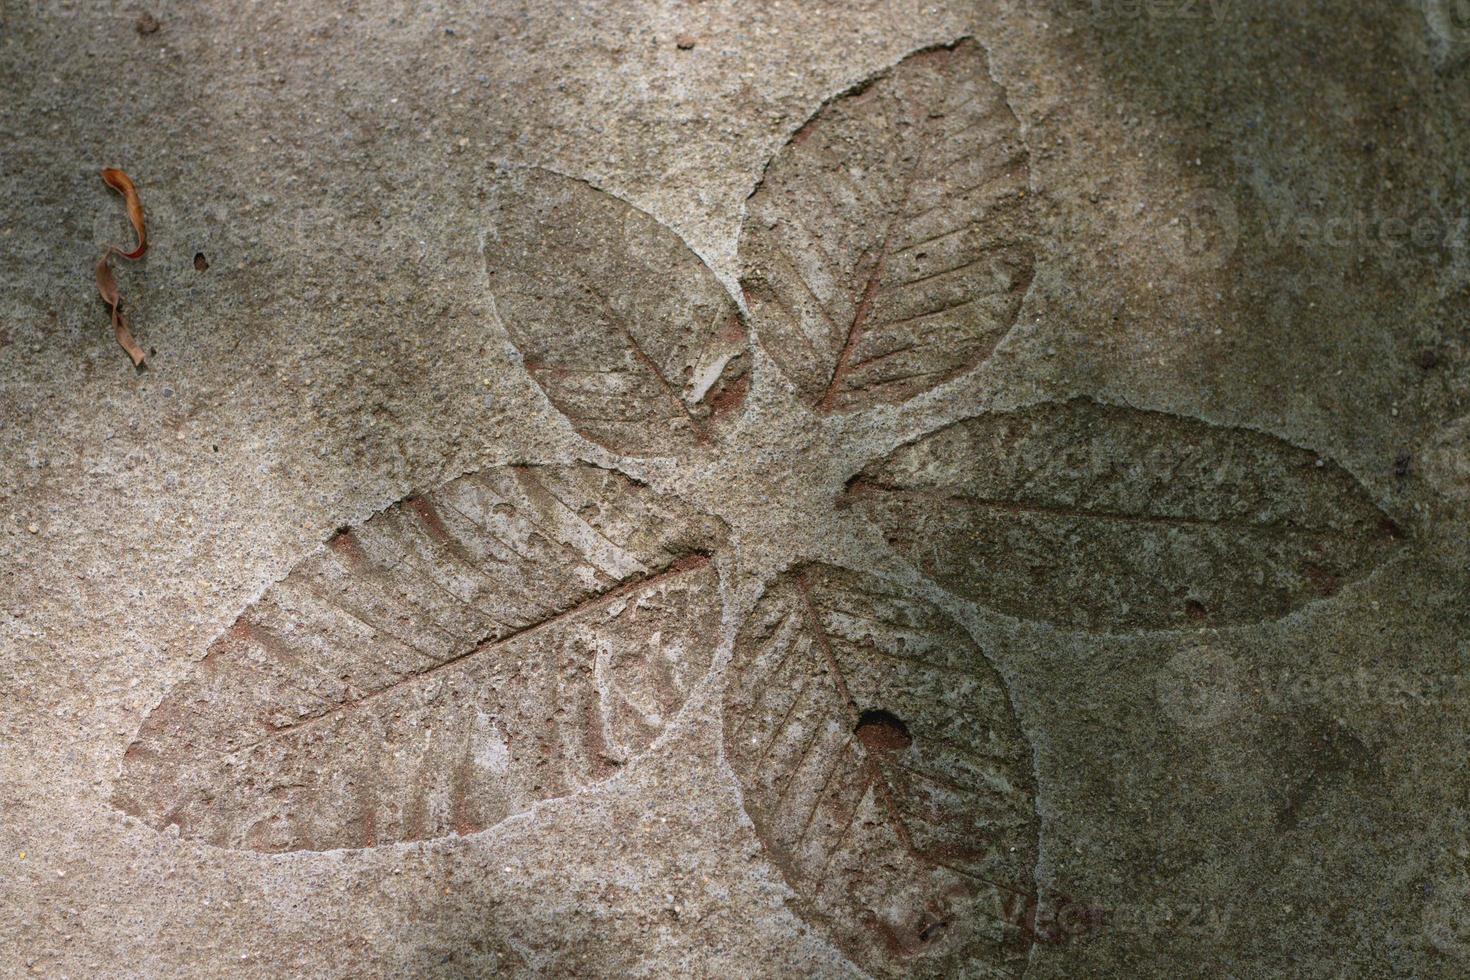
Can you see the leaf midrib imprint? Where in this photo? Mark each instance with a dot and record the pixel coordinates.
(864, 488)
(875, 277)
(665, 387)
(686, 564)
(874, 775)
(701, 430)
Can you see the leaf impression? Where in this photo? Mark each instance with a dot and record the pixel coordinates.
(886, 775)
(624, 328)
(887, 248)
(1109, 519)
(513, 636)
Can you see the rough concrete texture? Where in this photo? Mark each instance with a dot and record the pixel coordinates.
(1075, 588)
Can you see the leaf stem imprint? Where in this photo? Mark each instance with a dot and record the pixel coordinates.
(684, 565)
(864, 488)
(875, 278)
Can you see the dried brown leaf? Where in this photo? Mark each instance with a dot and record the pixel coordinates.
(107, 286)
(123, 184)
(106, 282)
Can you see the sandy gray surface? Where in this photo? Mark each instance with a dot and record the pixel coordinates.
(1243, 254)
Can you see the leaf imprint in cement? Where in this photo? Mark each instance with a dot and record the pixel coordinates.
(884, 770)
(513, 636)
(625, 329)
(1103, 518)
(886, 250)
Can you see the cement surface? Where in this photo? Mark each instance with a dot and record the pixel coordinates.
(1245, 250)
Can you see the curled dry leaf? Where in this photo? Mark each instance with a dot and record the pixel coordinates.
(106, 282)
(1104, 518)
(885, 772)
(513, 636)
(107, 286)
(627, 332)
(123, 184)
(887, 248)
